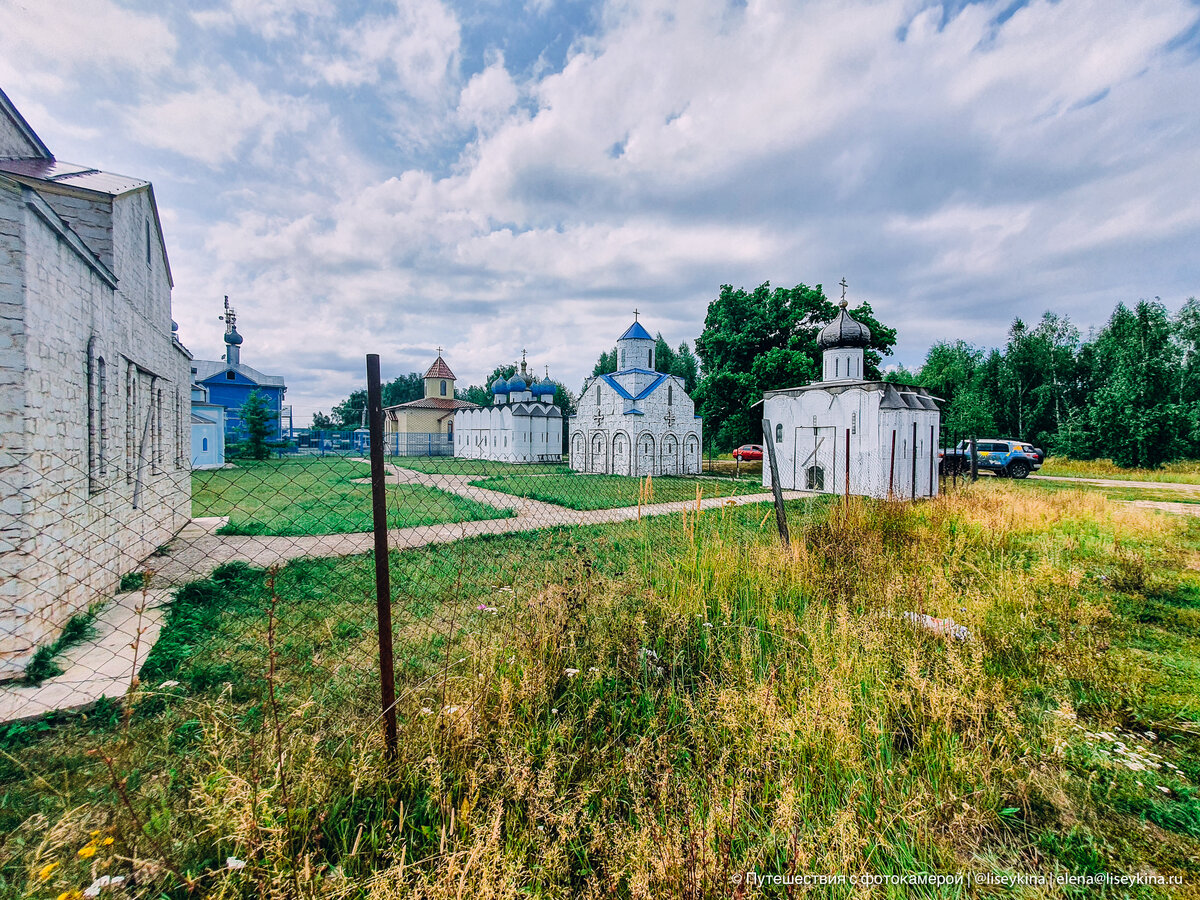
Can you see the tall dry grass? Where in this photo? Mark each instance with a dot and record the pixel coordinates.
(728, 706)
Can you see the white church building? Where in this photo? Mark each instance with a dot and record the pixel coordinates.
(886, 433)
(523, 425)
(635, 421)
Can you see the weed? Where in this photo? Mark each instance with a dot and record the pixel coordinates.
(44, 664)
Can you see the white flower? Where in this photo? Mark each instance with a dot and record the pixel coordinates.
(1164, 789)
(101, 883)
(571, 673)
(169, 684)
(708, 625)
(554, 712)
(451, 709)
(593, 669)
(426, 711)
(232, 862)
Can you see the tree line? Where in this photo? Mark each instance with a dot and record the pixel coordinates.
(1129, 392)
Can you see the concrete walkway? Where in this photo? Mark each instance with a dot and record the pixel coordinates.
(1112, 482)
(103, 667)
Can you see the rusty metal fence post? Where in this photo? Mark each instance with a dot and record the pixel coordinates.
(780, 514)
(383, 586)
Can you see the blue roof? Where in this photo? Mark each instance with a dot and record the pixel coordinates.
(616, 386)
(635, 332)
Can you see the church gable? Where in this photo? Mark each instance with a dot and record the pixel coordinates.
(17, 139)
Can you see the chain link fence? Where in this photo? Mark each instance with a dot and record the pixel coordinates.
(304, 675)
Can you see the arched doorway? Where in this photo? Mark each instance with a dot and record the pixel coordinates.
(644, 454)
(691, 455)
(599, 460)
(620, 453)
(668, 457)
(578, 454)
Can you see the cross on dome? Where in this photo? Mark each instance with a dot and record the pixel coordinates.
(844, 286)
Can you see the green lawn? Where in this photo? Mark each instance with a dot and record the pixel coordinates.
(319, 495)
(1116, 493)
(653, 705)
(609, 491)
(452, 465)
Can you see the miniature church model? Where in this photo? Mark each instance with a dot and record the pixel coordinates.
(635, 421)
(425, 427)
(887, 433)
(521, 426)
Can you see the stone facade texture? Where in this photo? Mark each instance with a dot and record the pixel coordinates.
(94, 403)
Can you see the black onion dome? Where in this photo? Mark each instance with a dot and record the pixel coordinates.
(844, 331)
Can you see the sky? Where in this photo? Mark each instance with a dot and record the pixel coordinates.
(393, 176)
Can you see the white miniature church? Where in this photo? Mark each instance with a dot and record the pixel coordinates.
(635, 421)
(844, 434)
(522, 425)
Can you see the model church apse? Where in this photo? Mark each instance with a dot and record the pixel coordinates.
(635, 421)
(887, 432)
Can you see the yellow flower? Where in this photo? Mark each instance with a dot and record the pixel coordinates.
(69, 895)
(106, 841)
(87, 851)
(44, 871)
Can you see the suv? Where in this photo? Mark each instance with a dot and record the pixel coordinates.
(1006, 459)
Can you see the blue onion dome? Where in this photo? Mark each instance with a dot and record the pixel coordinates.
(844, 331)
(517, 384)
(546, 386)
(232, 337)
(500, 386)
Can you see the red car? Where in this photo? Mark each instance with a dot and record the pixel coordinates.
(748, 452)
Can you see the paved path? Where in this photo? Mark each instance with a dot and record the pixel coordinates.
(1183, 509)
(102, 667)
(1112, 482)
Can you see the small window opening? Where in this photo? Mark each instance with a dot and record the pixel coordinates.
(443, 388)
(779, 434)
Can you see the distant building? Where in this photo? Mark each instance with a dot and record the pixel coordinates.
(94, 442)
(891, 429)
(230, 382)
(636, 421)
(425, 427)
(522, 425)
(208, 431)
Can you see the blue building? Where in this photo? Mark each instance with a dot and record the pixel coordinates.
(230, 382)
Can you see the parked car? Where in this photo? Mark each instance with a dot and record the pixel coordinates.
(748, 452)
(1003, 458)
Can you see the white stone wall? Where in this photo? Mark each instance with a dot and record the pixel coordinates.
(658, 434)
(77, 529)
(14, 144)
(500, 432)
(810, 428)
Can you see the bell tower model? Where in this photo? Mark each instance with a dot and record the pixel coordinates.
(635, 348)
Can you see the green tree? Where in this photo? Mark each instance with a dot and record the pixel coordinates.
(606, 364)
(322, 422)
(256, 420)
(686, 367)
(764, 339)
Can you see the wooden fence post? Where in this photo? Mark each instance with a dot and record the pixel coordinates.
(780, 515)
(383, 586)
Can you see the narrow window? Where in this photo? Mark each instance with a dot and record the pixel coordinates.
(147, 243)
(102, 414)
(651, 359)
(93, 464)
(597, 395)
(443, 387)
(854, 423)
(836, 367)
(670, 394)
(204, 445)
(622, 359)
(779, 434)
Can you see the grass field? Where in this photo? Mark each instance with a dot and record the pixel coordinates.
(645, 709)
(1149, 492)
(610, 491)
(319, 495)
(450, 465)
(1180, 472)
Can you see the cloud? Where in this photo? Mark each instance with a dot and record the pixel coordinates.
(271, 19)
(216, 124)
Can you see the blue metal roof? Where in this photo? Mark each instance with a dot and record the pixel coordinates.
(616, 386)
(651, 388)
(635, 332)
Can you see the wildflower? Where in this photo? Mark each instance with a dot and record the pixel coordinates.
(426, 711)
(486, 609)
(69, 895)
(232, 862)
(593, 669)
(708, 625)
(1164, 789)
(571, 673)
(106, 841)
(44, 871)
(87, 851)
(554, 711)
(451, 709)
(103, 882)
(169, 684)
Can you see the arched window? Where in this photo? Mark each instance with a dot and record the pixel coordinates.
(443, 387)
(670, 394)
(779, 434)
(597, 395)
(102, 414)
(204, 444)
(651, 359)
